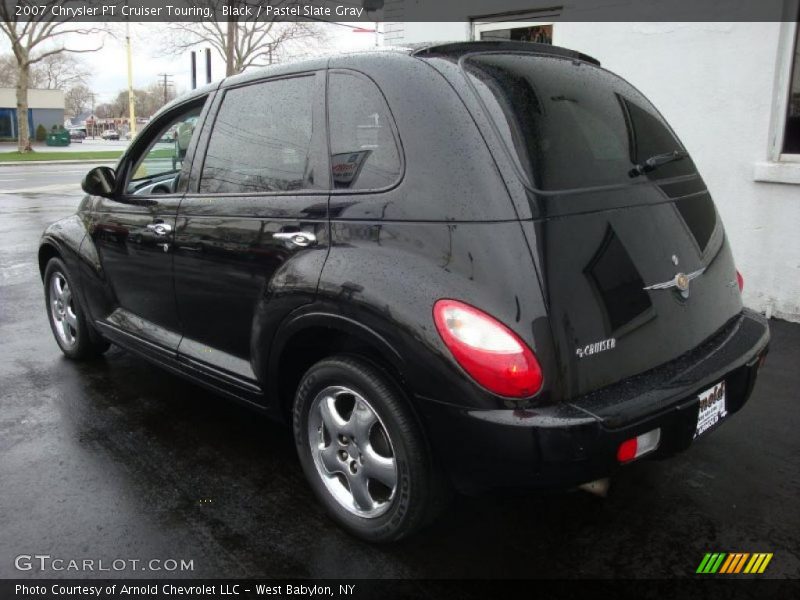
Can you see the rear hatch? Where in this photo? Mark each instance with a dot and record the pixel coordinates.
(632, 255)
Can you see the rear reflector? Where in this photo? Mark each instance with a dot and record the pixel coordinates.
(639, 446)
(740, 281)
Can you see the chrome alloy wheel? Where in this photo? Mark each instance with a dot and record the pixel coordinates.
(352, 451)
(62, 310)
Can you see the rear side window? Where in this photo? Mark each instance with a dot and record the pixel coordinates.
(364, 152)
(569, 124)
(261, 139)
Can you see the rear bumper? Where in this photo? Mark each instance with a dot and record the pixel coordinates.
(574, 442)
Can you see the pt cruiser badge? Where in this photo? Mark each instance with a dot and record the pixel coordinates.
(595, 348)
(680, 282)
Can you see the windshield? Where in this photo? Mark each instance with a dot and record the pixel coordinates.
(570, 124)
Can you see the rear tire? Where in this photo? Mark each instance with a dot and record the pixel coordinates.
(363, 452)
(75, 336)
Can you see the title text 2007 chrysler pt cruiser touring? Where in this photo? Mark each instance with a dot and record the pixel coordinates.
(456, 266)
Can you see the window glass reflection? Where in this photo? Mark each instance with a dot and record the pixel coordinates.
(261, 139)
(570, 124)
(167, 151)
(364, 152)
(617, 282)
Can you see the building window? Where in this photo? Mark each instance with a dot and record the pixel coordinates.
(791, 133)
(514, 31)
(7, 130)
(541, 34)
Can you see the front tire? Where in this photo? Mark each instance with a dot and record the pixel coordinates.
(362, 450)
(74, 335)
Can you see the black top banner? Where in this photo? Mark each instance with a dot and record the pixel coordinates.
(399, 10)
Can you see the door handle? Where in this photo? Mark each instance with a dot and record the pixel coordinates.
(298, 238)
(159, 228)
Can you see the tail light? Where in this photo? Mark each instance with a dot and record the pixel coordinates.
(492, 354)
(740, 280)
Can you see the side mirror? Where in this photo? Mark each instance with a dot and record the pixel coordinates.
(100, 181)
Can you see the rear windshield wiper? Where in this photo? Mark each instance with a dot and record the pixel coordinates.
(652, 163)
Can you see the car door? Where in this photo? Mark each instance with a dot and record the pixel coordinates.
(133, 234)
(252, 233)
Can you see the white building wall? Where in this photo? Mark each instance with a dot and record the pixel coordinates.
(715, 84)
(434, 32)
(36, 98)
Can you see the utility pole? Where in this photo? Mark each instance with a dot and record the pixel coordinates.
(94, 117)
(131, 99)
(167, 83)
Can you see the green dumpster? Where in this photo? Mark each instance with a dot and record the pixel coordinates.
(58, 138)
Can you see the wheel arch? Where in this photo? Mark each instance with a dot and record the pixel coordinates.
(47, 251)
(63, 239)
(309, 337)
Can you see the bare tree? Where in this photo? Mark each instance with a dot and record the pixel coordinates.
(104, 110)
(8, 71)
(244, 42)
(153, 98)
(77, 99)
(61, 72)
(147, 102)
(54, 72)
(32, 41)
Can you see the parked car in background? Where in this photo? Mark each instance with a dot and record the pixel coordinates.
(77, 135)
(182, 135)
(110, 134)
(169, 136)
(525, 283)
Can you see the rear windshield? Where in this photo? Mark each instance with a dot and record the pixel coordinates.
(569, 124)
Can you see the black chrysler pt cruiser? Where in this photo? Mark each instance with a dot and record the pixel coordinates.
(449, 267)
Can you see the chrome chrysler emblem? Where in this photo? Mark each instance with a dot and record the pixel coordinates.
(680, 282)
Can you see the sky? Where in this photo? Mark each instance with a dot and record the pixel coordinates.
(109, 65)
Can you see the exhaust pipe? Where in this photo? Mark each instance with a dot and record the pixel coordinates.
(598, 487)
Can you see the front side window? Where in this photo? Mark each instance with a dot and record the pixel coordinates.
(261, 141)
(364, 152)
(791, 134)
(159, 167)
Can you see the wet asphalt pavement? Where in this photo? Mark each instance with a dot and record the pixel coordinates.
(116, 459)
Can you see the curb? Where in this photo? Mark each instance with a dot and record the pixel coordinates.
(16, 163)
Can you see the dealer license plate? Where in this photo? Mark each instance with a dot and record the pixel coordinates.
(711, 409)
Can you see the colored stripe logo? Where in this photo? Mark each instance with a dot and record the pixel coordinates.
(734, 563)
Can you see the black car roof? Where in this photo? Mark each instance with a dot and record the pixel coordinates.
(452, 50)
(421, 50)
(287, 68)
